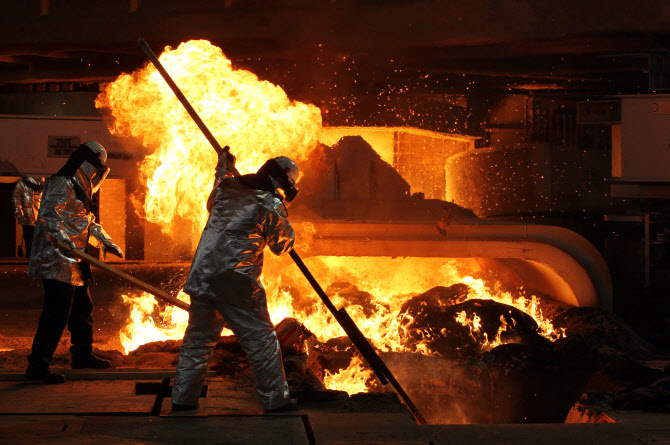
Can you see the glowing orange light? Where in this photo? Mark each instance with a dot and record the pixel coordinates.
(254, 117)
(258, 121)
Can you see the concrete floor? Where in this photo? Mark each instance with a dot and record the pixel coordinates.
(99, 411)
(126, 406)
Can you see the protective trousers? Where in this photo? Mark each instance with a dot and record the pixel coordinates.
(255, 333)
(28, 232)
(64, 304)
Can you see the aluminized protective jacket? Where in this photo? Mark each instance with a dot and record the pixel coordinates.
(225, 278)
(63, 216)
(26, 200)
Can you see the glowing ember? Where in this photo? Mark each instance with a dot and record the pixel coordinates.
(475, 326)
(353, 380)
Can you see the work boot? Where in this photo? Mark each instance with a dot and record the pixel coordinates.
(291, 405)
(89, 361)
(180, 407)
(44, 375)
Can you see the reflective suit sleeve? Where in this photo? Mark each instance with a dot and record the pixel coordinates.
(222, 172)
(100, 237)
(280, 235)
(53, 211)
(16, 200)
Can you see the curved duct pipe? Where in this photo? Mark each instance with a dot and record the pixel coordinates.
(563, 263)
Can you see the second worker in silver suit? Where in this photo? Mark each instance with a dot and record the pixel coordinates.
(247, 213)
(26, 199)
(66, 216)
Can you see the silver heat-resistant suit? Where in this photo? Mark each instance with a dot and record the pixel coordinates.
(66, 214)
(63, 216)
(26, 200)
(225, 279)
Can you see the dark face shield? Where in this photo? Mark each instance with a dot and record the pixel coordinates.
(98, 176)
(93, 167)
(287, 186)
(85, 158)
(290, 193)
(87, 167)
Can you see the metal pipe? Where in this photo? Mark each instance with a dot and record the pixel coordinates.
(579, 272)
(167, 298)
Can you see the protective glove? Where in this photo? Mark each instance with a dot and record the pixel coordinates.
(231, 157)
(70, 244)
(226, 159)
(112, 248)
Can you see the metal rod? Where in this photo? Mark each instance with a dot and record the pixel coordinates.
(345, 321)
(364, 347)
(167, 298)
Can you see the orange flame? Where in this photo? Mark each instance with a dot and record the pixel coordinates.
(384, 327)
(530, 306)
(258, 121)
(145, 327)
(254, 117)
(475, 325)
(353, 379)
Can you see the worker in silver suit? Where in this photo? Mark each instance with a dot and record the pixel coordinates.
(67, 214)
(247, 213)
(26, 200)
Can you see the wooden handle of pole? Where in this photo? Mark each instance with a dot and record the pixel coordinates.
(137, 283)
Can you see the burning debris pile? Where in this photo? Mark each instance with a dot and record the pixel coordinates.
(487, 362)
(466, 358)
(452, 327)
(463, 357)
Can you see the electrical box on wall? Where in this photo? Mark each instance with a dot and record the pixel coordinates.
(641, 147)
(641, 142)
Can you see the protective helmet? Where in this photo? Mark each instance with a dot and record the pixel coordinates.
(289, 168)
(93, 167)
(283, 171)
(97, 149)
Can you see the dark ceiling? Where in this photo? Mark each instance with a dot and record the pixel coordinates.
(340, 54)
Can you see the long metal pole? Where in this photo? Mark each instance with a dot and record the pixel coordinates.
(364, 347)
(361, 343)
(167, 298)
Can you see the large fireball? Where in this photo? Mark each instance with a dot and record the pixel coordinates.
(254, 117)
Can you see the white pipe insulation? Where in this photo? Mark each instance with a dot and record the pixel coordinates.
(558, 261)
